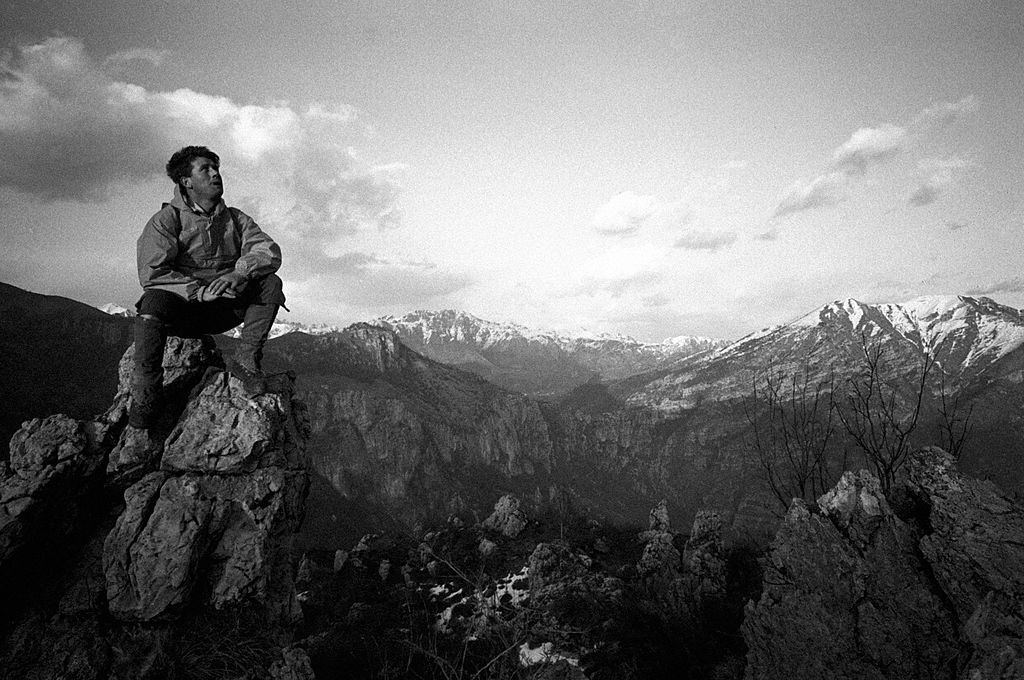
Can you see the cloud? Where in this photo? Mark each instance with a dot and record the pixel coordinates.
(1011, 285)
(937, 175)
(149, 56)
(628, 213)
(69, 131)
(943, 113)
(619, 271)
(821, 191)
(868, 146)
(367, 281)
(705, 240)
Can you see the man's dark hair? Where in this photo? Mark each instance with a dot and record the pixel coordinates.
(180, 164)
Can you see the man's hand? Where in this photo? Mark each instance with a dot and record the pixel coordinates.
(227, 285)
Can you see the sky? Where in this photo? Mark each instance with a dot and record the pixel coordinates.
(644, 168)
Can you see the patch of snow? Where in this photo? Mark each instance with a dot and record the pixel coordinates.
(544, 653)
(115, 310)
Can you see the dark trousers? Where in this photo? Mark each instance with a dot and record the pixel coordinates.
(193, 319)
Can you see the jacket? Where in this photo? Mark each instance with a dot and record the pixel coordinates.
(181, 250)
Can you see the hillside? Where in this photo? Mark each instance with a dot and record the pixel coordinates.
(58, 356)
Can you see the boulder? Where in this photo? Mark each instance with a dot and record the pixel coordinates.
(186, 362)
(704, 557)
(55, 471)
(931, 586)
(974, 546)
(508, 517)
(215, 524)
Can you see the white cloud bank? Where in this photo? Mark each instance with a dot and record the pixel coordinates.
(628, 214)
(71, 132)
(869, 147)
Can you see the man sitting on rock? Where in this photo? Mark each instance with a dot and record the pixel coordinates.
(204, 268)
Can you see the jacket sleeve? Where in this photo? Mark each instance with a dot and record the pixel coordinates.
(156, 251)
(260, 254)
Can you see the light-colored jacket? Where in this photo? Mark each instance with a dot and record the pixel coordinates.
(181, 250)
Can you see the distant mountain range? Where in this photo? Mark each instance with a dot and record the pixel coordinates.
(537, 363)
(395, 432)
(970, 339)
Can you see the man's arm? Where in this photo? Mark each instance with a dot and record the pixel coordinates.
(156, 251)
(260, 255)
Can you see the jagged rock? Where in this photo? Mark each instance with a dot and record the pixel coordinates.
(974, 546)
(508, 517)
(857, 506)
(186, 361)
(566, 596)
(554, 563)
(660, 557)
(846, 595)
(223, 431)
(56, 466)
(304, 574)
(704, 557)
(293, 665)
(659, 520)
(192, 531)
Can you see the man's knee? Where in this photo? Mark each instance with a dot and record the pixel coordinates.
(160, 305)
(270, 290)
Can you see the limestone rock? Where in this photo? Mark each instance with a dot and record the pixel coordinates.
(508, 517)
(975, 548)
(293, 665)
(846, 594)
(659, 520)
(56, 465)
(552, 564)
(186, 362)
(704, 557)
(217, 521)
(223, 431)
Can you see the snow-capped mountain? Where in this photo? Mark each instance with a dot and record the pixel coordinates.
(967, 337)
(115, 310)
(537, 362)
(284, 327)
(277, 330)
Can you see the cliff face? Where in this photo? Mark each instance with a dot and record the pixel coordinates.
(188, 528)
(397, 438)
(927, 584)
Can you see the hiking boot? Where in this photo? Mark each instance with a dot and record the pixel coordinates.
(247, 362)
(254, 381)
(148, 373)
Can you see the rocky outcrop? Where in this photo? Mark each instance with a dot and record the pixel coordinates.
(704, 557)
(186, 361)
(225, 503)
(201, 548)
(56, 464)
(973, 543)
(508, 517)
(855, 589)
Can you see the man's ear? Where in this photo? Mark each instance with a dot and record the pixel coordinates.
(185, 182)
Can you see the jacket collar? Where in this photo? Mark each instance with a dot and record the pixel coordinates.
(181, 203)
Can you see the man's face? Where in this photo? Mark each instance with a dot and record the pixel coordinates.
(204, 182)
